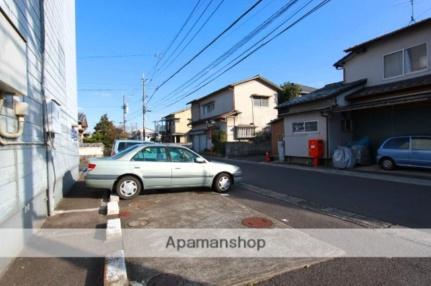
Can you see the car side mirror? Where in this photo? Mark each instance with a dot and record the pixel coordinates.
(199, 160)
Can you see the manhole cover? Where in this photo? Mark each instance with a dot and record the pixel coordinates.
(165, 280)
(257, 222)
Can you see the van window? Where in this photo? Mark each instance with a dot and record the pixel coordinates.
(124, 145)
(401, 143)
(421, 143)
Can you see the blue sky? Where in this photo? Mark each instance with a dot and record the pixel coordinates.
(119, 41)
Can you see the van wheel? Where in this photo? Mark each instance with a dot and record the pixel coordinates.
(128, 187)
(387, 164)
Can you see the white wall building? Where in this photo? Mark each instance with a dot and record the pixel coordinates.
(240, 110)
(39, 162)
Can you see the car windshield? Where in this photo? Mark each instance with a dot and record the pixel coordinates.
(125, 151)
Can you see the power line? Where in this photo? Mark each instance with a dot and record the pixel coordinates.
(174, 54)
(112, 56)
(206, 47)
(317, 7)
(174, 39)
(235, 47)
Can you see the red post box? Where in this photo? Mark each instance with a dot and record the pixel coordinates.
(316, 150)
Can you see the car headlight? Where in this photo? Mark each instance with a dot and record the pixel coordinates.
(237, 172)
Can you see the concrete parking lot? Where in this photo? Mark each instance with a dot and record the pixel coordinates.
(199, 209)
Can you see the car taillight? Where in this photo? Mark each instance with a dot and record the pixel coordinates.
(91, 166)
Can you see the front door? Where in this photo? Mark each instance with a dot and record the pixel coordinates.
(185, 171)
(154, 167)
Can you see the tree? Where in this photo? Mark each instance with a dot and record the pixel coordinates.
(106, 132)
(288, 91)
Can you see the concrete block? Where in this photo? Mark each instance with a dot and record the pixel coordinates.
(115, 270)
(114, 198)
(113, 229)
(113, 208)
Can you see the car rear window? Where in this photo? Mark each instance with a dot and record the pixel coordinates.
(125, 151)
(123, 145)
(401, 143)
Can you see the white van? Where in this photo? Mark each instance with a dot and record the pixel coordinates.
(121, 144)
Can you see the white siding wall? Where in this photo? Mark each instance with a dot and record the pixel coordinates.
(260, 116)
(297, 143)
(23, 169)
(369, 64)
(223, 102)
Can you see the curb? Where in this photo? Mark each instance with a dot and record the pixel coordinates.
(358, 174)
(333, 212)
(115, 272)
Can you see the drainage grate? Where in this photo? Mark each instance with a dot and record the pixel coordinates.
(164, 279)
(257, 222)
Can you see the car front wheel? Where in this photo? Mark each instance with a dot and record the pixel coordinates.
(387, 164)
(223, 183)
(128, 187)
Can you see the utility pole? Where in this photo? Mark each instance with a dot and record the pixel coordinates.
(125, 109)
(144, 107)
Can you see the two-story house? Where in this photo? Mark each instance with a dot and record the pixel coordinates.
(175, 126)
(239, 109)
(386, 91)
(396, 99)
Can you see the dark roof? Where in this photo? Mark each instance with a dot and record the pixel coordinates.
(412, 83)
(305, 88)
(328, 91)
(360, 47)
(229, 86)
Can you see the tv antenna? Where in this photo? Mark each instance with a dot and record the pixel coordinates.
(412, 17)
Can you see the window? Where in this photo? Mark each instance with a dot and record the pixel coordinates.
(393, 64)
(305, 126)
(181, 155)
(260, 101)
(244, 132)
(405, 61)
(208, 108)
(415, 58)
(421, 143)
(152, 154)
(124, 145)
(402, 143)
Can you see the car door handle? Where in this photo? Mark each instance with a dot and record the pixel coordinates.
(177, 168)
(137, 167)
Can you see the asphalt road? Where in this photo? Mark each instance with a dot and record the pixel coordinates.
(338, 271)
(396, 203)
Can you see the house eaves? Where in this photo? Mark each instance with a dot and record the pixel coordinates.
(326, 92)
(362, 47)
(259, 78)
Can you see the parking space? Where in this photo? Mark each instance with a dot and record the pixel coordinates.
(198, 209)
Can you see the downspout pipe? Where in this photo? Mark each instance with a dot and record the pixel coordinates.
(49, 191)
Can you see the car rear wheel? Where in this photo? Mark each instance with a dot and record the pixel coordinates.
(128, 187)
(223, 183)
(387, 164)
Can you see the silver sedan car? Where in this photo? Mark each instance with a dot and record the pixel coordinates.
(159, 167)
